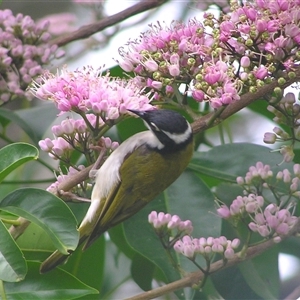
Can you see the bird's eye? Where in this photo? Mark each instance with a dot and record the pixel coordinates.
(154, 126)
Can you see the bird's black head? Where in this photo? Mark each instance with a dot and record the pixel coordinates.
(170, 127)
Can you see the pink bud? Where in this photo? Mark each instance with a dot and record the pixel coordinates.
(253, 226)
(151, 65)
(261, 72)
(224, 212)
(245, 62)
(174, 70)
(229, 253)
(269, 138)
(152, 216)
(235, 243)
(263, 230)
(282, 229)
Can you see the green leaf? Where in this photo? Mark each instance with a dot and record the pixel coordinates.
(142, 271)
(47, 211)
(226, 162)
(12, 263)
(57, 284)
(129, 127)
(230, 284)
(14, 118)
(14, 155)
(261, 274)
(88, 266)
(142, 238)
(191, 199)
(38, 119)
(117, 236)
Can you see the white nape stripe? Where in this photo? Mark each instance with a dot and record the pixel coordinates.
(108, 175)
(179, 138)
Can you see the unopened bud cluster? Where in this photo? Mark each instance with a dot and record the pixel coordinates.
(273, 221)
(183, 243)
(268, 219)
(164, 221)
(287, 112)
(206, 247)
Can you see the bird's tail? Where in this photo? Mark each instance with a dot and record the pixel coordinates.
(57, 258)
(54, 260)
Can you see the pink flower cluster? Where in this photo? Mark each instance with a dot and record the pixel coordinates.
(23, 51)
(179, 54)
(87, 91)
(190, 247)
(167, 221)
(273, 220)
(261, 176)
(222, 57)
(258, 172)
(287, 112)
(266, 32)
(247, 204)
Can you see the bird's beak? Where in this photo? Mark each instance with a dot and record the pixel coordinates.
(141, 114)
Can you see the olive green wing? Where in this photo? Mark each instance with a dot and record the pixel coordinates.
(143, 176)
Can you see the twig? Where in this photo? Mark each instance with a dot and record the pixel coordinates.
(88, 30)
(192, 279)
(294, 295)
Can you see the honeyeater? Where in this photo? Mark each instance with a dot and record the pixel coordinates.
(142, 167)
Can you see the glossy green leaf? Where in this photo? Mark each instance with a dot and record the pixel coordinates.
(57, 284)
(14, 155)
(259, 277)
(142, 238)
(47, 211)
(12, 263)
(228, 161)
(129, 127)
(88, 266)
(14, 118)
(231, 284)
(39, 118)
(117, 236)
(142, 271)
(191, 199)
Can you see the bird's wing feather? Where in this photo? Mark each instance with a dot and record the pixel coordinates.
(141, 181)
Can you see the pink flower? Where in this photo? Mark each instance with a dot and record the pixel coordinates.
(224, 212)
(261, 72)
(86, 90)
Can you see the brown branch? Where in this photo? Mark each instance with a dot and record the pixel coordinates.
(294, 295)
(195, 278)
(88, 30)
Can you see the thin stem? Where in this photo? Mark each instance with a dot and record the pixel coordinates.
(11, 222)
(49, 167)
(2, 291)
(221, 133)
(50, 180)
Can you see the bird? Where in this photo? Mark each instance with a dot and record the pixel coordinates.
(136, 172)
